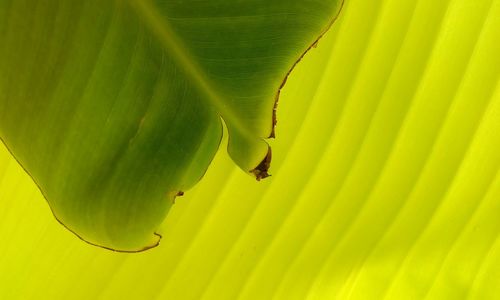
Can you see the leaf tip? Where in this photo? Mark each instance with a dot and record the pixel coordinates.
(261, 171)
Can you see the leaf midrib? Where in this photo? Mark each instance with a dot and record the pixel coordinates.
(169, 40)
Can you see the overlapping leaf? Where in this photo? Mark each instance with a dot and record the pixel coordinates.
(115, 107)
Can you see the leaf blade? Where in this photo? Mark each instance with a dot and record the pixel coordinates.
(116, 113)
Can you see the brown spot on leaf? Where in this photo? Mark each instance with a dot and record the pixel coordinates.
(261, 171)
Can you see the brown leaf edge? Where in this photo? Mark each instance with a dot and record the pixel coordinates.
(180, 193)
(261, 171)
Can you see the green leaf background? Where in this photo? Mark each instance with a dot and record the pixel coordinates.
(385, 182)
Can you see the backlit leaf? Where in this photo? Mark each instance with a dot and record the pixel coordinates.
(115, 107)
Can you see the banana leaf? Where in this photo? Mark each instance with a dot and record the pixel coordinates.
(115, 107)
(385, 181)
